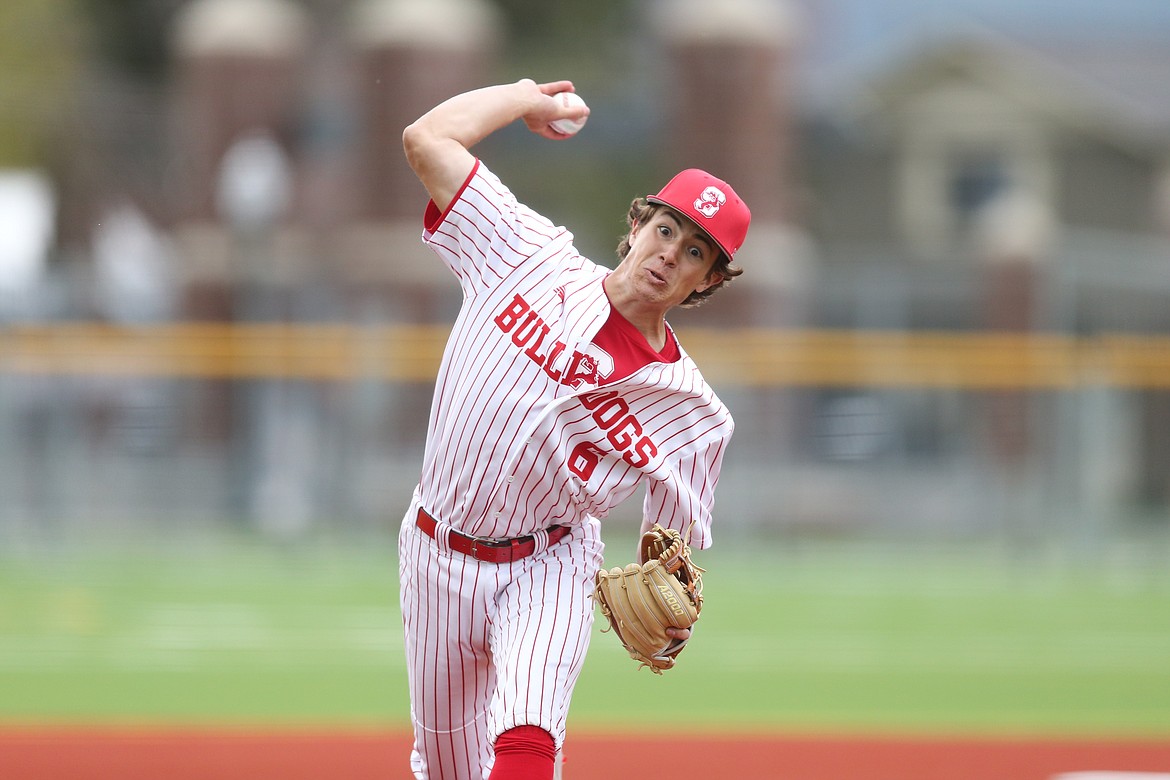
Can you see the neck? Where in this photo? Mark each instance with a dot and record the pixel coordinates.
(650, 321)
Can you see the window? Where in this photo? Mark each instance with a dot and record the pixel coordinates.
(975, 180)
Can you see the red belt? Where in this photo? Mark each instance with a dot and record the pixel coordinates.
(490, 550)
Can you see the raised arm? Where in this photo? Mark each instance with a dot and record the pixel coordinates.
(437, 144)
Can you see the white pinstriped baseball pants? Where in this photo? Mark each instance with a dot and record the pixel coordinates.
(490, 646)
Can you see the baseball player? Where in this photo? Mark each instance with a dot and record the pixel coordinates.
(562, 391)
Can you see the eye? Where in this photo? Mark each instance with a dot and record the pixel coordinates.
(696, 252)
(664, 231)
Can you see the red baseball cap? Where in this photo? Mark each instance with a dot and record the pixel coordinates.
(711, 204)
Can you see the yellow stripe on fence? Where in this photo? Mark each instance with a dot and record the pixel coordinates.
(760, 358)
(211, 350)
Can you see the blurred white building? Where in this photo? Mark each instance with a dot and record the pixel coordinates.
(28, 216)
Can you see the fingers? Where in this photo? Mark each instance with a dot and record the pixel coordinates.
(553, 87)
(681, 634)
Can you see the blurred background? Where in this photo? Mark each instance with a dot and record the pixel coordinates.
(948, 358)
(217, 313)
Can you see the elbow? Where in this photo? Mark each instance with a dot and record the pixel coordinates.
(413, 143)
(423, 147)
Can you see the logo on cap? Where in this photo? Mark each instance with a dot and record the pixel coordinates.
(709, 201)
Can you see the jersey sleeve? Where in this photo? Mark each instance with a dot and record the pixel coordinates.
(486, 234)
(683, 500)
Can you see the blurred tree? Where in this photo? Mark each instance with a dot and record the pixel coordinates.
(39, 66)
(577, 34)
(562, 22)
(132, 35)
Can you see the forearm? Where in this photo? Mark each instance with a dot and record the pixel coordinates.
(468, 118)
(437, 144)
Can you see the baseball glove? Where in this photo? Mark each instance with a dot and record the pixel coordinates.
(642, 600)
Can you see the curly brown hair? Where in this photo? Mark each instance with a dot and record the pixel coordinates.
(642, 210)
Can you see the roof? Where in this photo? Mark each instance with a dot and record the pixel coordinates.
(1112, 88)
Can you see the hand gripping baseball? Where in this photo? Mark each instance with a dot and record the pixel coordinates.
(648, 602)
(561, 114)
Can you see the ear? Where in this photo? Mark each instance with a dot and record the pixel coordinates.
(712, 279)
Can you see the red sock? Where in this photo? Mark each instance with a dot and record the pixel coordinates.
(524, 753)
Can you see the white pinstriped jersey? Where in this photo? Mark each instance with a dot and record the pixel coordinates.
(524, 432)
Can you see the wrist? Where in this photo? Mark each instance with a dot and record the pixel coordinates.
(528, 96)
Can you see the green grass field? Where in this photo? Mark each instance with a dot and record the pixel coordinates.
(837, 637)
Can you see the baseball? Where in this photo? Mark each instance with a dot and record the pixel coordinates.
(568, 126)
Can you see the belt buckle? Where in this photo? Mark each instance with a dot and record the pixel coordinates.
(478, 544)
(509, 551)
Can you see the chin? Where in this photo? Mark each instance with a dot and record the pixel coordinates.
(656, 295)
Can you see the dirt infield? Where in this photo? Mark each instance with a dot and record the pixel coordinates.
(57, 753)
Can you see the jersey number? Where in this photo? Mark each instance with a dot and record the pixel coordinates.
(583, 459)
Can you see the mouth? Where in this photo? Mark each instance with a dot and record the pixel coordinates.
(655, 276)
